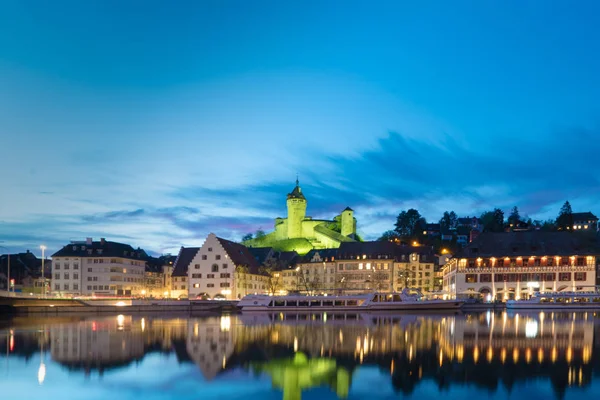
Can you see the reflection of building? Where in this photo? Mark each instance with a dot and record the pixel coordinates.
(514, 265)
(101, 268)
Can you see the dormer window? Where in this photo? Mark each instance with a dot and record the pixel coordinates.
(89, 252)
(74, 248)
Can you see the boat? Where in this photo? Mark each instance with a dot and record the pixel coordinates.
(561, 300)
(403, 301)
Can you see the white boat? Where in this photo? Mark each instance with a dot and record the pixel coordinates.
(561, 300)
(403, 301)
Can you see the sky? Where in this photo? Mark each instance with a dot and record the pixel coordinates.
(155, 123)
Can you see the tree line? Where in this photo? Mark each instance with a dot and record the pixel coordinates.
(412, 226)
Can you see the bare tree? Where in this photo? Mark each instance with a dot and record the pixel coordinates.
(342, 283)
(242, 275)
(271, 271)
(308, 282)
(380, 280)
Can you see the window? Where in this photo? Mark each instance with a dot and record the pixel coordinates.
(66, 286)
(210, 249)
(196, 266)
(204, 257)
(564, 276)
(196, 285)
(66, 275)
(89, 278)
(76, 286)
(471, 278)
(56, 276)
(75, 266)
(89, 270)
(225, 275)
(580, 261)
(75, 276)
(95, 278)
(210, 285)
(224, 284)
(196, 276)
(549, 276)
(182, 287)
(89, 288)
(66, 266)
(95, 287)
(485, 278)
(215, 268)
(218, 257)
(341, 268)
(225, 266)
(210, 276)
(580, 276)
(56, 286)
(57, 266)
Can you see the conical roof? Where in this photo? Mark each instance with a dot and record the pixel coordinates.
(296, 193)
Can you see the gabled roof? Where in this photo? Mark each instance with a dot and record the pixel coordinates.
(325, 254)
(185, 257)
(584, 216)
(240, 255)
(287, 257)
(348, 209)
(530, 243)
(102, 248)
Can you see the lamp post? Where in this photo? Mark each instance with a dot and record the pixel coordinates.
(43, 278)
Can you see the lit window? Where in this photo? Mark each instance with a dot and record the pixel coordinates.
(360, 266)
(368, 265)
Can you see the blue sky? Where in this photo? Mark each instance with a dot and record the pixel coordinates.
(155, 123)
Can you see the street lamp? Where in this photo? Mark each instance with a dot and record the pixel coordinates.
(8, 270)
(43, 278)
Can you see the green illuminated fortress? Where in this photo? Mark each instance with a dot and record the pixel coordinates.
(301, 233)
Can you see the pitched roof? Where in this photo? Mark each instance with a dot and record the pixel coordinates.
(184, 258)
(102, 248)
(530, 243)
(348, 209)
(350, 250)
(584, 216)
(261, 253)
(325, 254)
(287, 257)
(240, 255)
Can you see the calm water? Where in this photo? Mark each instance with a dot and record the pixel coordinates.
(325, 356)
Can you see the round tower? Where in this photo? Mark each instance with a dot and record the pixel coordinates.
(348, 226)
(296, 208)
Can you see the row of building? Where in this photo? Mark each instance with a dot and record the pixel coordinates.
(502, 266)
(224, 269)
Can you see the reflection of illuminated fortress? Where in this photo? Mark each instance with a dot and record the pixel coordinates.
(302, 351)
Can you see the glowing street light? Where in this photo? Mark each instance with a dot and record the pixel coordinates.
(43, 279)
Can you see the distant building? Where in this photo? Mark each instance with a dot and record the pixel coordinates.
(179, 276)
(585, 221)
(301, 233)
(101, 268)
(432, 230)
(514, 265)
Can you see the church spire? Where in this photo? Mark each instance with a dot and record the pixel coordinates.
(297, 182)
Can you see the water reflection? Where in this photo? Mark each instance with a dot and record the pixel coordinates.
(297, 352)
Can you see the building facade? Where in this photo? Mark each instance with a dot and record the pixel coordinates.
(224, 269)
(100, 268)
(514, 265)
(585, 221)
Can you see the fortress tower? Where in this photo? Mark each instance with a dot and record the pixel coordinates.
(296, 210)
(348, 222)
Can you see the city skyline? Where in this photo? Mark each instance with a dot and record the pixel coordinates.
(156, 125)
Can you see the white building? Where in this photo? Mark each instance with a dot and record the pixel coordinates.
(224, 269)
(514, 265)
(98, 268)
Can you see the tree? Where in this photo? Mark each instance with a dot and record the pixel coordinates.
(514, 218)
(247, 236)
(388, 236)
(271, 270)
(259, 234)
(448, 221)
(307, 281)
(241, 272)
(408, 222)
(564, 222)
(548, 226)
(380, 280)
(493, 221)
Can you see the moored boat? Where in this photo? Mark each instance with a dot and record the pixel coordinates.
(562, 300)
(360, 302)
